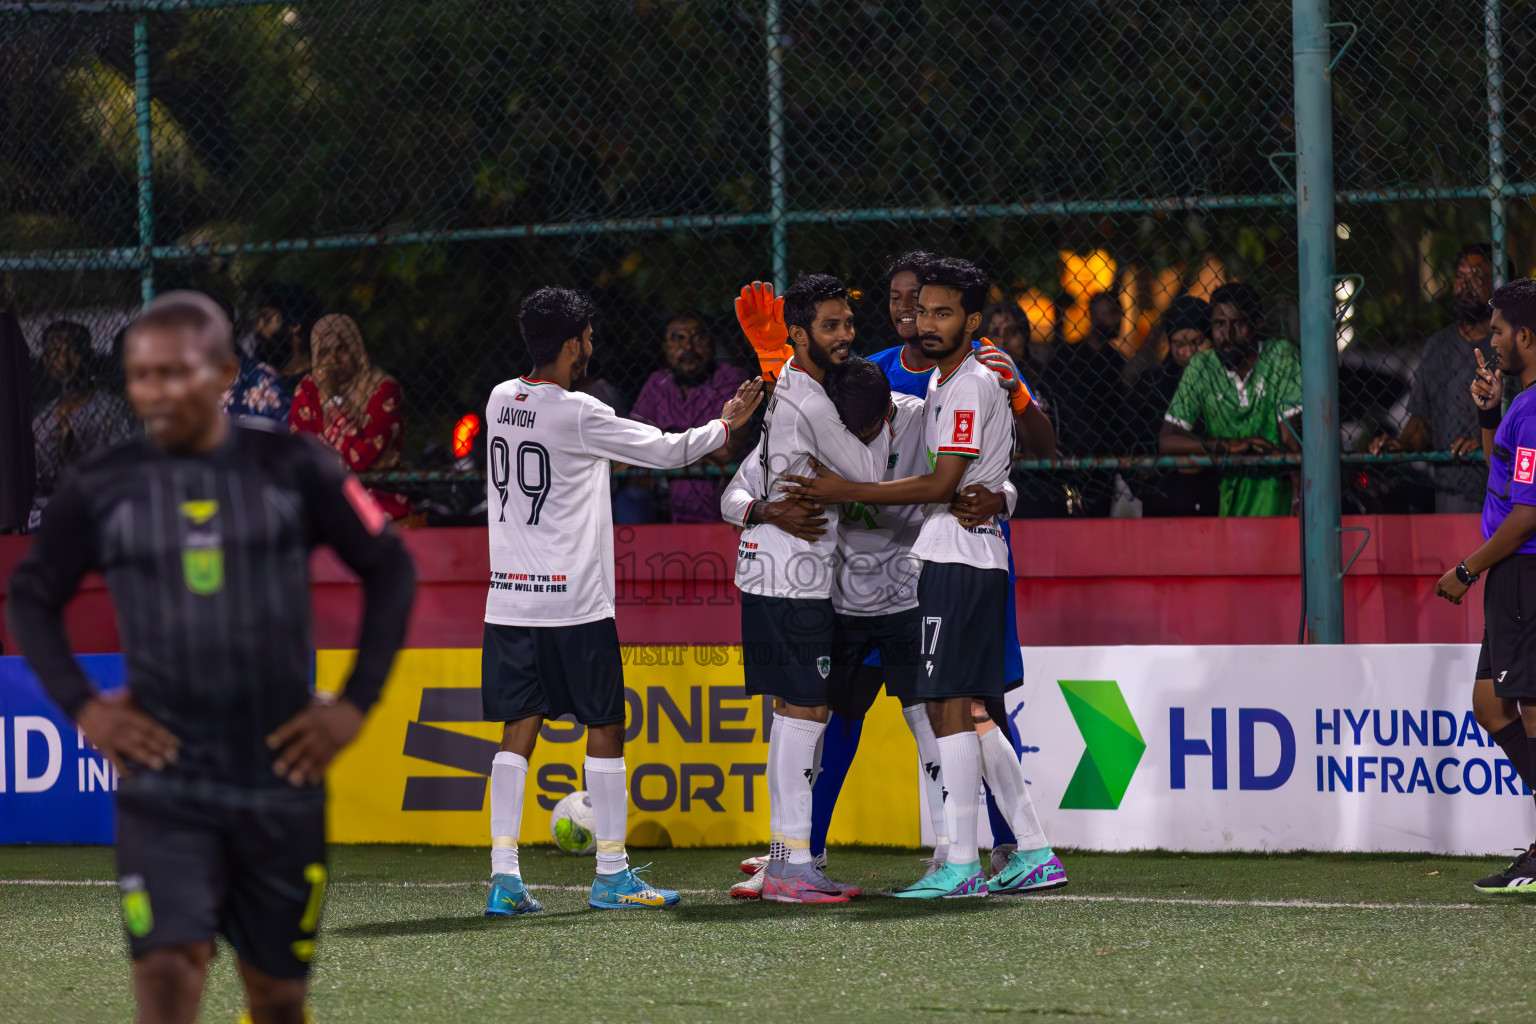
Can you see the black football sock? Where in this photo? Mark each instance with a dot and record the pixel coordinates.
(1517, 746)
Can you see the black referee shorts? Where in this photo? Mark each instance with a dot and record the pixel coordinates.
(1508, 656)
(552, 671)
(964, 613)
(249, 866)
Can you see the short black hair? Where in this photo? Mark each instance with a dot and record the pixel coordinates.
(963, 276)
(1242, 296)
(192, 309)
(75, 336)
(1484, 250)
(298, 306)
(808, 291)
(549, 318)
(1008, 309)
(1517, 302)
(913, 261)
(861, 393)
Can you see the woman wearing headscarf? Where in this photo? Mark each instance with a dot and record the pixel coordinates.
(352, 405)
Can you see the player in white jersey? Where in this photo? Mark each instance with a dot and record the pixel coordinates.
(786, 580)
(963, 586)
(551, 645)
(874, 594)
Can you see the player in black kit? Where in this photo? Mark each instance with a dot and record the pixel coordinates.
(203, 531)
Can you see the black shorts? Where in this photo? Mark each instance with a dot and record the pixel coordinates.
(786, 648)
(550, 671)
(1508, 656)
(896, 636)
(249, 866)
(964, 612)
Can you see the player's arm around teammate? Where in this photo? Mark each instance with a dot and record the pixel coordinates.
(551, 641)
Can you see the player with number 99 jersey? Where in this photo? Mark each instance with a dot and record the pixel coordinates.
(551, 522)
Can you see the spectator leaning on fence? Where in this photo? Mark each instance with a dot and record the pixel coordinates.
(688, 394)
(82, 417)
(352, 405)
(1439, 416)
(1241, 397)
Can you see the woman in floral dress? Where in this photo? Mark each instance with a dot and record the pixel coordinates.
(352, 405)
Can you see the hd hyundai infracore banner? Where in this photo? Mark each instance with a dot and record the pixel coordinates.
(1186, 748)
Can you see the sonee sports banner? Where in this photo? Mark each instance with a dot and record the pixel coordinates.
(1187, 748)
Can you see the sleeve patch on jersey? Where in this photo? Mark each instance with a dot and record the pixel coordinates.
(965, 421)
(1525, 465)
(363, 504)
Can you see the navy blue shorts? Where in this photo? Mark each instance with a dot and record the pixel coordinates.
(964, 618)
(551, 671)
(786, 648)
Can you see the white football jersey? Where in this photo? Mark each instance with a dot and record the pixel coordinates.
(801, 423)
(967, 414)
(551, 524)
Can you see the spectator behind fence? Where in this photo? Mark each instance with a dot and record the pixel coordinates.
(1241, 397)
(1183, 330)
(82, 417)
(1004, 325)
(1439, 416)
(1086, 385)
(687, 394)
(352, 405)
(285, 318)
(257, 392)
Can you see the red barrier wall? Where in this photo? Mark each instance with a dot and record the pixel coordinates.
(1097, 581)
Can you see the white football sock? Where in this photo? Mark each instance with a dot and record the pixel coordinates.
(509, 773)
(776, 848)
(609, 789)
(1002, 771)
(933, 778)
(960, 756)
(795, 768)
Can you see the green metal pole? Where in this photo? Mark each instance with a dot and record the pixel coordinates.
(1495, 50)
(1319, 346)
(146, 156)
(778, 225)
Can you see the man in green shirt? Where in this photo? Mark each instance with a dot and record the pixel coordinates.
(1241, 397)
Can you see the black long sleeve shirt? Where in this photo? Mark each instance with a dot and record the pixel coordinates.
(207, 561)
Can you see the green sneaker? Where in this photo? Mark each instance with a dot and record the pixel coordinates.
(1028, 871)
(950, 882)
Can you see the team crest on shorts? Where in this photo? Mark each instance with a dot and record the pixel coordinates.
(824, 666)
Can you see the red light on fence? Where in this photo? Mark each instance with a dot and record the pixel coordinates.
(464, 433)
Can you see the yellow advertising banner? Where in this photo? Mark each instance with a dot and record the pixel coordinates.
(696, 747)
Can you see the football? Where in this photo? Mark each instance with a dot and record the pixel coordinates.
(572, 822)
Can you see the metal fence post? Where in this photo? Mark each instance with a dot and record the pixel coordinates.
(1495, 137)
(141, 117)
(778, 225)
(1319, 346)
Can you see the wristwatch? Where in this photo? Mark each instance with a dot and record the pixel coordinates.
(1464, 575)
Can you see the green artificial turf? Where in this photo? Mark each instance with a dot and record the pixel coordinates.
(396, 949)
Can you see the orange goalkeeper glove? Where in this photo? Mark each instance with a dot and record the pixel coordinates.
(999, 362)
(762, 320)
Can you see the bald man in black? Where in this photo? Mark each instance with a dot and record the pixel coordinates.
(203, 530)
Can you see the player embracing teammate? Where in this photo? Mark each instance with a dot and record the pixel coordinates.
(963, 582)
(551, 644)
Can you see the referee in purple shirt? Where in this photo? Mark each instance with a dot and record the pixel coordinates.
(687, 394)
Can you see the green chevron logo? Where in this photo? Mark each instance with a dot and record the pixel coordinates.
(1114, 744)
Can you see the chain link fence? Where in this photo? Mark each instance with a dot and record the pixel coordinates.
(419, 167)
